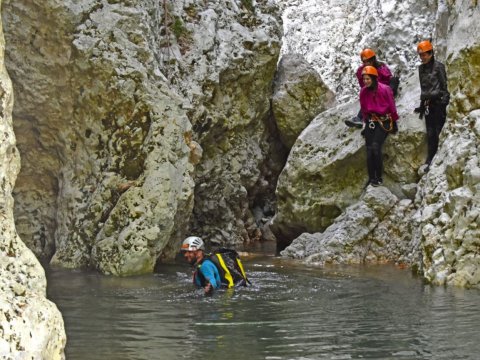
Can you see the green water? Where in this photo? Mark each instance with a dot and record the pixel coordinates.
(290, 312)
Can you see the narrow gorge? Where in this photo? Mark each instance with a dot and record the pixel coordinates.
(128, 124)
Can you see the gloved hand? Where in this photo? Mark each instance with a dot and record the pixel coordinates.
(420, 110)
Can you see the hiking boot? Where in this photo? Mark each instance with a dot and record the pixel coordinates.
(354, 122)
(375, 183)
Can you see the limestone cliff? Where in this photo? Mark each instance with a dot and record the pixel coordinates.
(432, 220)
(31, 327)
(449, 195)
(116, 104)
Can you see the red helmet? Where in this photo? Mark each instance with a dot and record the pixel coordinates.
(424, 46)
(370, 70)
(367, 54)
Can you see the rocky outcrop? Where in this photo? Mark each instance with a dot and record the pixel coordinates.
(299, 95)
(448, 207)
(228, 76)
(373, 230)
(116, 104)
(30, 325)
(112, 168)
(448, 198)
(437, 232)
(326, 171)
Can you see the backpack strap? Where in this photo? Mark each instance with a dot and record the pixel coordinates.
(240, 266)
(227, 275)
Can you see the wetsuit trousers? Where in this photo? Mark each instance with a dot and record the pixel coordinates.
(434, 122)
(374, 139)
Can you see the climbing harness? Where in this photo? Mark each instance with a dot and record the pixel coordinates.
(382, 121)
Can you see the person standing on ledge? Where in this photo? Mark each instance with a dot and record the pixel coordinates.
(380, 118)
(434, 96)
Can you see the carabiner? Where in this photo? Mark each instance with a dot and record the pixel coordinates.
(371, 124)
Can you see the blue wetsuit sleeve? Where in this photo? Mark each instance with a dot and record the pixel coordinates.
(210, 272)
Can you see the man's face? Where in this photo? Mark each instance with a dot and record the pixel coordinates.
(425, 57)
(190, 256)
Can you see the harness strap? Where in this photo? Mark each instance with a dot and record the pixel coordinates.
(381, 119)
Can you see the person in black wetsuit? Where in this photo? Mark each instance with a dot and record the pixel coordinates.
(434, 96)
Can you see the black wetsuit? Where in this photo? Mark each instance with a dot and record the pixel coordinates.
(434, 100)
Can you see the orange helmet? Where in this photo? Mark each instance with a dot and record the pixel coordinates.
(424, 46)
(370, 70)
(367, 54)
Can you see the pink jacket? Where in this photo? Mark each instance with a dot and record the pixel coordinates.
(379, 101)
(384, 75)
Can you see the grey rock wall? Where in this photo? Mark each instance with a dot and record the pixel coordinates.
(331, 35)
(448, 198)
(228, 76)
(31, 327)
(112, 137)
(326, 169)
(319, 188)
(127, 112)
(299, 94)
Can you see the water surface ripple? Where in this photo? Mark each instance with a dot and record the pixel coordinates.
(290, 312)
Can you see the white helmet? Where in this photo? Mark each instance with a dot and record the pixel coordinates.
(192, 243)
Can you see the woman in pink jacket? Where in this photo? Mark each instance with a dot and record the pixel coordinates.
(379, 117)
(369, 58)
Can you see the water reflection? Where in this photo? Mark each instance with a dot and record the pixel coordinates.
(289, 313)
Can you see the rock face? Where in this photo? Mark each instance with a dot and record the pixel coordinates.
(299, 94)
(106, 143)
(229, 77)
(107, 93)
(326, 171)
(318, 190)
(331, 35)
(326, 168)
(448, 207)
(372, 230)
(31, 327)
(448, 200)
